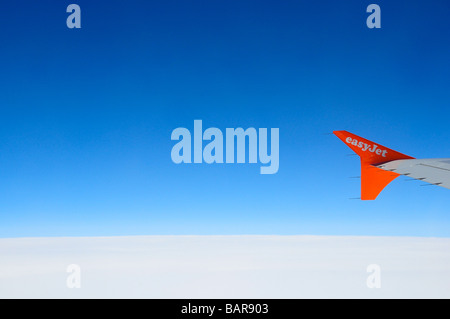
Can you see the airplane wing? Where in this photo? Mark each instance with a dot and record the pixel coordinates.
(435, 171)
(381, 165)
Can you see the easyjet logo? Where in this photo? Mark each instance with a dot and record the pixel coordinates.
(366, 147)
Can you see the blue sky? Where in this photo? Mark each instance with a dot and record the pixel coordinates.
(86, 115)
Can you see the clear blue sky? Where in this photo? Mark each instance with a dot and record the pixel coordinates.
(86, 115)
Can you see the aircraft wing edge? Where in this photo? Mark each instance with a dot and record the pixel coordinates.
(435, 171)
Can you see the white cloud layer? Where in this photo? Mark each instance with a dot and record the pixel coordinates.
(226, 267)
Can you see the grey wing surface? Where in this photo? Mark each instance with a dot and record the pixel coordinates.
(435, 171)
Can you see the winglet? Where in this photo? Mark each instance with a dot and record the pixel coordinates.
(373, 179)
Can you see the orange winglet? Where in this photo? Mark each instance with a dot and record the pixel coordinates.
(373, 179)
